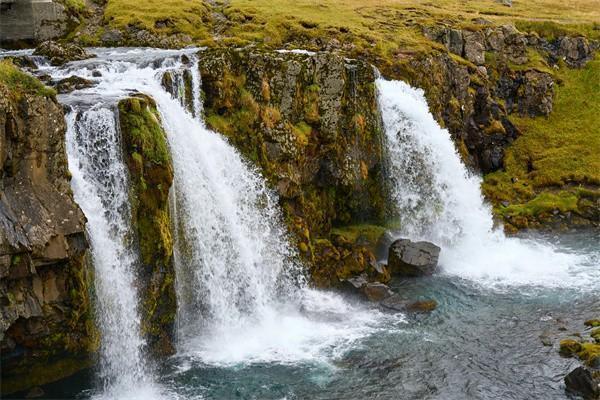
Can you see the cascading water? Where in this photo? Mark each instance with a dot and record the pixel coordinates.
(241, 291)
(440, 201)
(249, 326)
(100, 187)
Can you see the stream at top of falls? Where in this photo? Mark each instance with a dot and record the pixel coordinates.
(250, 327)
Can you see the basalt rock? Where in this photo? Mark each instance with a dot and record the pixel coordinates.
(311, 122)
(73, 83)
(151, 173)
(575, 51)
(582, 382)
(413, 259)
(529, 93)
(46, 325)
(58, 53)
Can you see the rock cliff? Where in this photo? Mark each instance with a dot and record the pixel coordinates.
(311, 122)
(46, 322)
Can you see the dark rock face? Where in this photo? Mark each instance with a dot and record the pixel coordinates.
(151, 173)
(311, 122)
(575, 51)
(529, 93)
(460, 98)
(59, 54)
(582, 382)
(411, 259)
(46, 326)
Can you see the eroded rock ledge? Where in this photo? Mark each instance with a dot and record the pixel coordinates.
(311, 122)
(46, 323)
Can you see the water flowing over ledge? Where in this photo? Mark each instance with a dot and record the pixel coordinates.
(440, 201)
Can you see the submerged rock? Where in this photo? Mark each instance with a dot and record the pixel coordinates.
(377, 291)
(407, 258)
(399, 304)
(582, 382)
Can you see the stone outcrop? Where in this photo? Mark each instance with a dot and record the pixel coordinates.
(46, 324)
(27, 21)
(407, 258)
(528, 93)
(151, 173)
(311, 122)
(59, 54)
(461, 98)
(583, 382)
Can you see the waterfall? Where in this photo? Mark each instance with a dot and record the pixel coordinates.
(241, 290)
(439, 200)
(101, 188)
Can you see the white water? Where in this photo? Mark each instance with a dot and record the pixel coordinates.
(241, 291)
(100, 187)
(440, 201)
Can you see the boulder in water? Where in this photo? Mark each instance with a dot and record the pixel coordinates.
(73, 83)
(569, 347)
(407, 258)
(582, 382)
(59, 54)
(399, 304)
(377, 291)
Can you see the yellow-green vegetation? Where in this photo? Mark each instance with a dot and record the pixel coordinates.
(555, 164)
(160, 16)
(151, 173)
(18, 82)
(367, 232)
(76, 6)
(142, 124)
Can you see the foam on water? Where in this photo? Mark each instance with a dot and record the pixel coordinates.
(241, 290)
(439, 200)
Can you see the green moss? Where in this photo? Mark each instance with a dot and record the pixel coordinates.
(590, 354)
(592, 323)
(19, 82)
(545, 202)
(151, 173)
(544, 166)
(569, 347)
(189, 17)
(142, 123)
(368, 233)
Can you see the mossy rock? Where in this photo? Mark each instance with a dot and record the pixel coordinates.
(151, 173)
(569, 347)
(592, 323)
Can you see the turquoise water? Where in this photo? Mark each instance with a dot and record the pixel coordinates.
(480, 343)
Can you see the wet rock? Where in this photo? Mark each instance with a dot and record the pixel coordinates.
(592, 323)
(569, 347)
(423, 306)
(399, 304)
(46, 325)
(581, 382)
(407, 258)
(377, 291)
(73, 83)
(356, 283)
(58, 53)
(35, 393)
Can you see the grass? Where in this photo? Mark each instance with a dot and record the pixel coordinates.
(19, 82)
(557, 154)
(160, 16)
